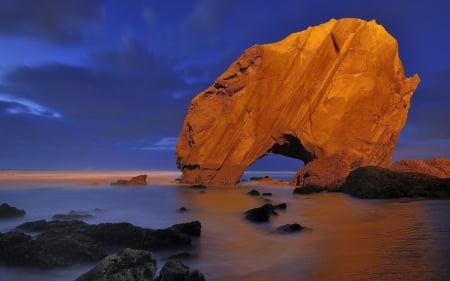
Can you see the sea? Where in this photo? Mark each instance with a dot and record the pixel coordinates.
(343, 238)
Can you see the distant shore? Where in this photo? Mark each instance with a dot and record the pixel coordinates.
(21, 178)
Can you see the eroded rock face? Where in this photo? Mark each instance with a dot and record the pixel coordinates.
(335, 92)
(438, 167)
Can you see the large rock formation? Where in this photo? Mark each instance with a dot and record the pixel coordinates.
(377, 182)
(438, 167)
(335, 93)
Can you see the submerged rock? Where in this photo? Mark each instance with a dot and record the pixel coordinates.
(69, 242)
(197, 186)
(308, 189)
(7, 211)
(281, 206)
(253, 192)
(138, 180)
(127, 265)
(73, 215)
(304, 97)
(377, 182)
(289, 228)
(261, 214)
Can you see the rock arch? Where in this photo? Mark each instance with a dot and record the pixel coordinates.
(334, 96)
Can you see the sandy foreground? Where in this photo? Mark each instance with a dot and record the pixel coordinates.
(15, 179)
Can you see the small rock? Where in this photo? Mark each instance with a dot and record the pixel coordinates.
(138, 180)
(183, 209)
(261, 214)
(289, 228)
(281, 206)
(309, 189)
(129, 265)
(267, 194)
(7, 211)
(259, 178)
(197, 186)
(253, 192)
(73, 215)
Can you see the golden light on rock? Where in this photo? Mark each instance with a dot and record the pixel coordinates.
(334, 96)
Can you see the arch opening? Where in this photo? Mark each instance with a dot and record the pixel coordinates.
(293, 148)
(281, 161)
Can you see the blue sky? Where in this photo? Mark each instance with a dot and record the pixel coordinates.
(92, 84)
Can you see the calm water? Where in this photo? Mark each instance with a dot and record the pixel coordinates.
(346, 239)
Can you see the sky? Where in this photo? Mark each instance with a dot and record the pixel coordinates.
(105, 84)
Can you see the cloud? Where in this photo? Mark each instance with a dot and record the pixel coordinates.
(166, 143)
(62, 22)
(24, 106)
(114, 105)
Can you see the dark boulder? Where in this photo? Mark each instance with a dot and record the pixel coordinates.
(261, 214)
(183, 209)
(267, 194)
(128, 235)
(253, 192)
(377, 182)
(174, 270)
(70, 242)
(48, 249)
(7, 211)
(289, 228)
(14, 246)
(308, 189)
(192, 228)
(128, 264)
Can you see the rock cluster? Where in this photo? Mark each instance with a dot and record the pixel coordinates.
(333, 96)
(138, 265)
(61, 243)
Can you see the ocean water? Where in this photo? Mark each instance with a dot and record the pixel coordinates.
(344, 238)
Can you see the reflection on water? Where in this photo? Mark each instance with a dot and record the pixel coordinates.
(345, 239)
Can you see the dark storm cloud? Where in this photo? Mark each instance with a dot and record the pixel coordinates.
(58, 21)
(124, 107)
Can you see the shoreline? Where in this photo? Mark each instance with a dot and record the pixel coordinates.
(69, 178)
